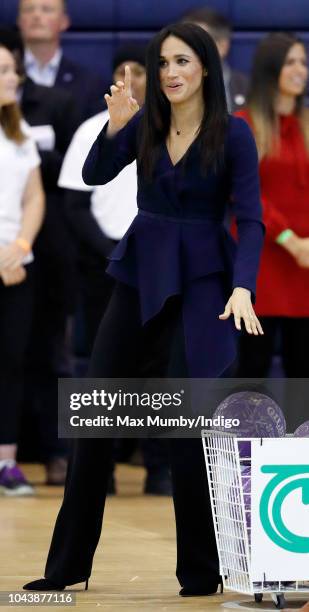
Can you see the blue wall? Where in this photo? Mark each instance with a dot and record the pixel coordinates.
(152, 14)
(98, 26)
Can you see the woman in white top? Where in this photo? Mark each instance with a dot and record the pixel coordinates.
(21, 214)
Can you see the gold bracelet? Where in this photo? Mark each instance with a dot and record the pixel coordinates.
(24, 244)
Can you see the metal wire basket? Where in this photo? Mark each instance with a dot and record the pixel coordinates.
(228, 464)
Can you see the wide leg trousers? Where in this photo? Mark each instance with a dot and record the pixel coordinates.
(125, 348)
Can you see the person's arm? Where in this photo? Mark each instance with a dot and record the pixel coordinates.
(116, 145)
(110, 154)
(242, 160)
(33, 207)
(280, 230)
(246, 200)
(278, 227)
(275, 221)
(12, 255)
(83, 224)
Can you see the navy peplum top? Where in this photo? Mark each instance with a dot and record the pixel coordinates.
(178, 243)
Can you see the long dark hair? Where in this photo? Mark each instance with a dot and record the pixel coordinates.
(268, 61)
(10, 117)
(157, 109)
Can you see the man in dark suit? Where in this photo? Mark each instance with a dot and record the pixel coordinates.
(53, 107)
(41, 24)
(219, 27)
(53, 118)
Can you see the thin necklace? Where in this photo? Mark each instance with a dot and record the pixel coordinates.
(178, 132)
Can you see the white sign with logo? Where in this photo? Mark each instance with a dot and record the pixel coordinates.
(280, 509)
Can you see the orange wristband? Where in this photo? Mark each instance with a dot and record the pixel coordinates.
(24, 244)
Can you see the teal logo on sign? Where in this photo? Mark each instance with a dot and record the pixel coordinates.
(286, 479)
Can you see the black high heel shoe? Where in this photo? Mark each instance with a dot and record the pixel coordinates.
(44, 584)
(202, 591)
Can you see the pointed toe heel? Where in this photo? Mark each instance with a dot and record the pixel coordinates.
(43, 584)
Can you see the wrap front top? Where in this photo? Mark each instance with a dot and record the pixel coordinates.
(178, 242)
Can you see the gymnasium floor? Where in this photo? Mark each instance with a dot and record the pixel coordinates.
(134, 564)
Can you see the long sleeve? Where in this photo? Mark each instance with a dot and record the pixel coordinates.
(108, 156)
(275, 221)
(243, 160)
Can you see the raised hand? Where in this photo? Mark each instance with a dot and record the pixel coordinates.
(121, 105)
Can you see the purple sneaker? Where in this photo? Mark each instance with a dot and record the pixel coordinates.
(13, 482)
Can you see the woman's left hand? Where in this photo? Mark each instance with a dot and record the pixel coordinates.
(11, 256)
(240, 306)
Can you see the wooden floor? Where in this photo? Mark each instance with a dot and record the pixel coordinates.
(135, 562)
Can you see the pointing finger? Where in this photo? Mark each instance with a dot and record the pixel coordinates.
(127, 81)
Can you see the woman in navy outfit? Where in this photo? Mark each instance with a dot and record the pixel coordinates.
(183, 286)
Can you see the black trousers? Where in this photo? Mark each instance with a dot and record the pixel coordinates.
(255, 353)
(255, 356)
(16, 310)
(96, 290)
(49, 349)
(126, 349)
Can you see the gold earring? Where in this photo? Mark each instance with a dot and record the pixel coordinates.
(205, 72)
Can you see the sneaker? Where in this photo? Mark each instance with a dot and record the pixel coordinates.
(13, 482)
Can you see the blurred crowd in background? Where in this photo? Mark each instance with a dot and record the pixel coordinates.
(56, 233)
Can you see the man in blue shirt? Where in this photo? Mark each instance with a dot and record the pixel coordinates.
(41, 24)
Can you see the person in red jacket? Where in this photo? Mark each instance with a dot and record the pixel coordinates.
(280, 124)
